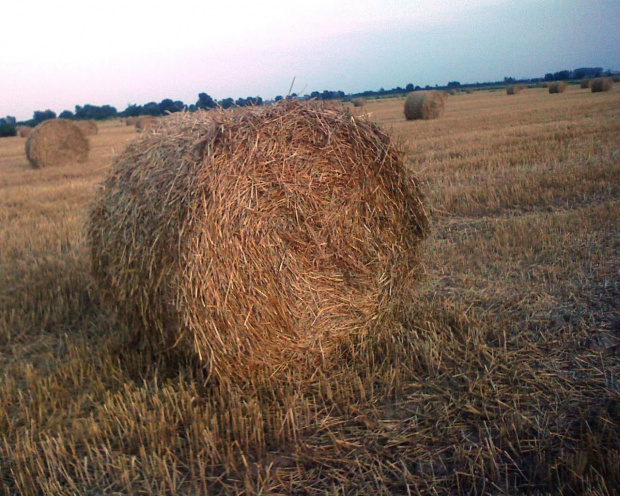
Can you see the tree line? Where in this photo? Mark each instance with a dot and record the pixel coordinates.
(8, 124)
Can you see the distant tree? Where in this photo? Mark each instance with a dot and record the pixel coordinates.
(95, 112)
(561, 75)
(278, 98)
(150, 108)
(7, 127)
(227, 103)
(417, 88)
(509, 80)
(66, 114)
(454, 84)
(43, 115)
(409, 87)
(132, 110)
(167, 106)
(205, 102)
(548, 77)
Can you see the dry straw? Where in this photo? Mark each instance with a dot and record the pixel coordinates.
(24, 131)
(358, 102)
(145, 122)
(89, 128)
(56, 142)
(131, 121)
(557, 87)
(601, 84)
(425, 105)
(258, 237)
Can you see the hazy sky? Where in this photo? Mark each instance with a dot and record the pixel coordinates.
(60, 53)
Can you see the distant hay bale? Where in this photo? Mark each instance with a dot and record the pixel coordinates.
(131, 121)
(601, 84)
(145, 122)
(258, 237)
(89, 128)
(24, 131)
(56, 142)
(513, 89)
(425, 105)
(615, 79)
(545, 85)
(358, 102)
(557, 87)
(586, 83)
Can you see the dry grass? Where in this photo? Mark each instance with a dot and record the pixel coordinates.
(502, 380)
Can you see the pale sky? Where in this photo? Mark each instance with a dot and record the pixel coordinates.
(60, 53)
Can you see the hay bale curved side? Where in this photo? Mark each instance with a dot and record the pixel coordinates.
(585, 84)
(557, 87)
(88, 128)
(424, 105)
(601, 84)
(358, 102)
(24, 131)
(56, 142)
(145, 122)
(258, 237)
(131, 121)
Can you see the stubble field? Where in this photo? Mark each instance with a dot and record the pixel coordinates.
(504, 380)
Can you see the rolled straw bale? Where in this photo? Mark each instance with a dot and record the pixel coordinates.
(601, 84)
(145, 122)
(89, 128)
(557, 87)
(545, 85)
(425, 105)
(615, 79)
(131, 121)
(358, 102)
(258, 237)
(24, 131)
(586, 83)
(513, 89)
(56, 142)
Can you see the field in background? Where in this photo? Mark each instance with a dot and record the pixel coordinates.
(505, 378)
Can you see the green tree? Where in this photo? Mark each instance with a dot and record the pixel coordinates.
(43, 115)
(205, 102)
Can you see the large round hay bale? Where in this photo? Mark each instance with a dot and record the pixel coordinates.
(88, 128)
(258, 237)
(145, 122)
(601, 84)
(24, 131)
(56, 142)
(358, 102)
(514, 89)
(425, 105)
(557, 87)
(131, 121)
(585, 84)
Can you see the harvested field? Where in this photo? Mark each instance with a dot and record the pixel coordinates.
(500, 379)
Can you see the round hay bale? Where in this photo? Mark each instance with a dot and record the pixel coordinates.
(601, 84)
(56, 142)
(88, 128)
(258, 237)
(24, 131)
(131, 121)
(425, 105)
(513, 89)
(557, 87)
(615, 79)
(145, 122)
(545, 85)
(585, 84)
(358, 102)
